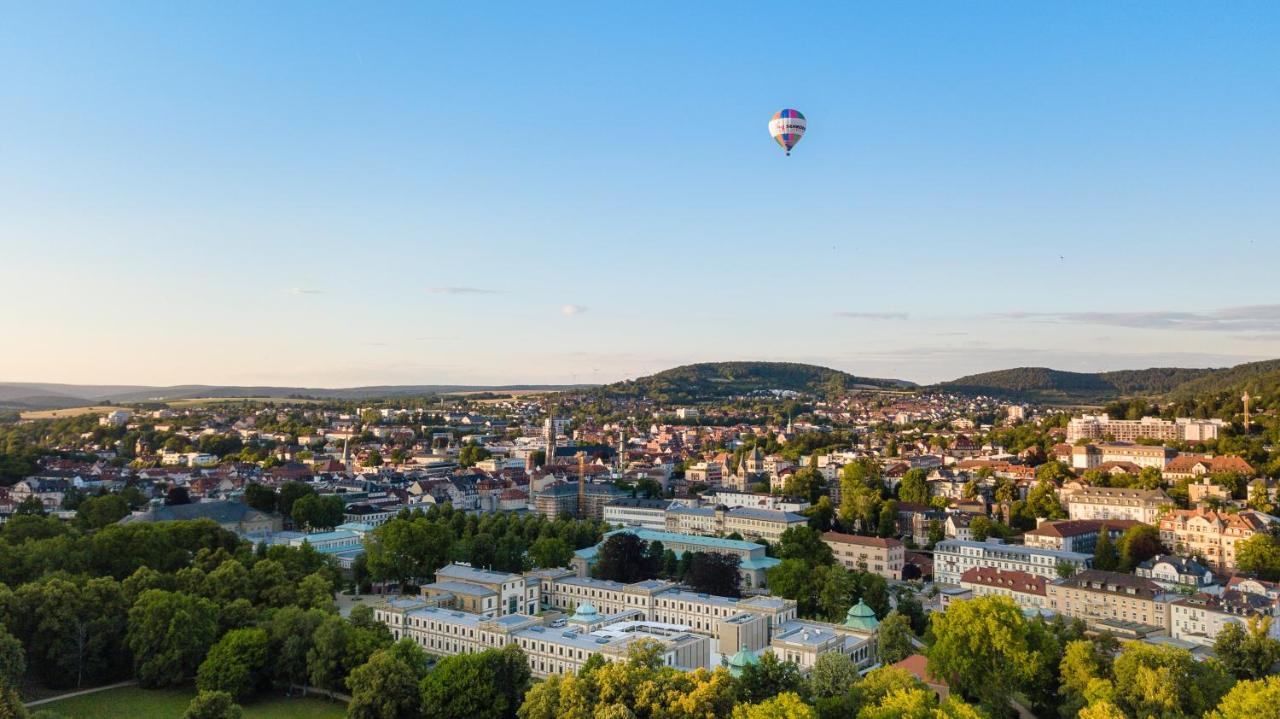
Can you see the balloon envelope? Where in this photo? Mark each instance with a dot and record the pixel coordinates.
(787, 127)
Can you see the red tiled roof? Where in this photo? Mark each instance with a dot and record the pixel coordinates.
(1023, 582)
(860, 540)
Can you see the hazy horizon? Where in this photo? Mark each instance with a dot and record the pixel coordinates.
(302, 195)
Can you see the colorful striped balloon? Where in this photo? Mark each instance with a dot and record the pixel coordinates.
(787, 127)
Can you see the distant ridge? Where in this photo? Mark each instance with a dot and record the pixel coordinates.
(1049, 385)
(34, 395)
(712, 380)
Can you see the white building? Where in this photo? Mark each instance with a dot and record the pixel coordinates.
(952, 557)
(633, 512)
(1141, 505)
(1102, 426)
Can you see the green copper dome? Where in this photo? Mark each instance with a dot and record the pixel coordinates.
(585, 613)
(861, 617)
(741, 660)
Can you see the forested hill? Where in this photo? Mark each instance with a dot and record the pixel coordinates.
(1050, 385)
(713, 380)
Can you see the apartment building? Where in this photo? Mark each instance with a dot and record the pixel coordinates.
(1111, 600)
(1200, 617)
(748, 522)
(1102, 426)
(757, 500)
(1209, 535)
(867, 554)
(753, 561)
(1175, 573)
(635, 512)
(1093, 456)
(1139, 505)
(1026, 590)
(1075, 535)
(952, 557)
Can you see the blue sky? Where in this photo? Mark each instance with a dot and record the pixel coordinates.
(314, 194)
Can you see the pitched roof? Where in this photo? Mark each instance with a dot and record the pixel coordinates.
(860, 540)
(1024, 582)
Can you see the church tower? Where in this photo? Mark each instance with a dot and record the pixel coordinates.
(549, 438)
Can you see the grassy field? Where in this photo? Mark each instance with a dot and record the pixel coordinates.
(69, 412)
(170, 703)
(202, 401)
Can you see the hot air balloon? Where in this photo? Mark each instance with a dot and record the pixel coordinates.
(787, 127)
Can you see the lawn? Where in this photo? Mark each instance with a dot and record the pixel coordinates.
(170, 703)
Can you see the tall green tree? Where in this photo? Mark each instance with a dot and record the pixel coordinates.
(983, 649)
(236, 664)
(894, 639)
(385, 687)
(770, 677)
(1164, 681)
(169, 634)
(1253, 699)
(1247, 651)
(1105, 556)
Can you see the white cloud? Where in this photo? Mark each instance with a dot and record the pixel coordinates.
(460, 291)
(1249, 318)
(304, 291)
(873, 315)
(571, 310)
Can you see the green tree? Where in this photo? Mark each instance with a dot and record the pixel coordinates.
(983, 649)
(770, 677)
(622, 558)
(72, 633)
(463, 687)
(1083, 663)
(787, 705)
(1164, 681)
(833, 674)
(1247, 652)
(888, 526)
(1042, 500)
(373, 459)
(1250, 700)
(11, 706)
(213, 705)
(13, 660)
(407, 550)
(289, 493)
(1259, 554)
(1105, 556)
(337, 648)
(471, 454)
(98, 512)
(260, 497)
(292, 634)
(804, 543)
(315, 512)
(914, 487)
(550, 552)
(169, 634)
(1138, 544)
(894, 639)
(385, 687)
(937, 532)
(235, 664)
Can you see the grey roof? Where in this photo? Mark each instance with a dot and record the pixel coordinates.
(220, 512)
(473, 574)
(471, 590)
